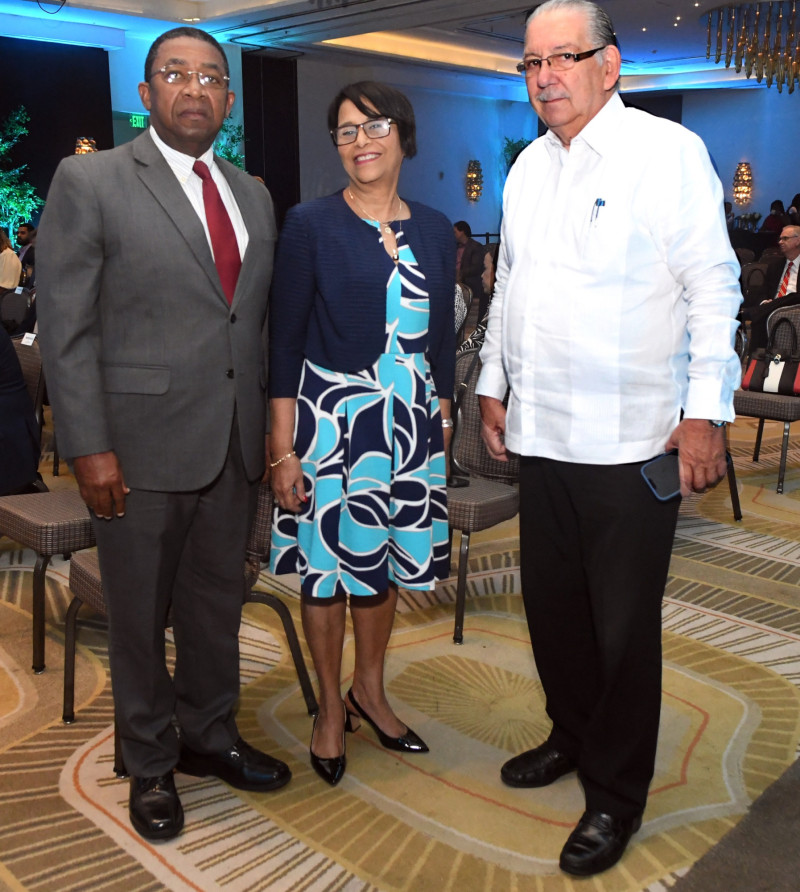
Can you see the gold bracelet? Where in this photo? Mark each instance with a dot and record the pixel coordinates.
(275, 464)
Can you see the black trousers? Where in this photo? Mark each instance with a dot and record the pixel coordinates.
(595, 549)
(187, 550)
(758, 318)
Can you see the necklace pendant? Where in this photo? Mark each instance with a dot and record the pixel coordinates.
(387, 228)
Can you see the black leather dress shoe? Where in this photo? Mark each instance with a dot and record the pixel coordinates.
(537, 767)
(241, 765)
(597, 843)
(154, 807)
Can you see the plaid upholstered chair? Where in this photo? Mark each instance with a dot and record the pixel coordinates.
(773, 406)
(86, 587)
(487, 495)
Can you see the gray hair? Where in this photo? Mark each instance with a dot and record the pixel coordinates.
(601, 29)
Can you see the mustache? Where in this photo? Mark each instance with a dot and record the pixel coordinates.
(551, 93)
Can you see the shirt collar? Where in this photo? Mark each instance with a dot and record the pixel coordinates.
(180, 163)
(600, 133)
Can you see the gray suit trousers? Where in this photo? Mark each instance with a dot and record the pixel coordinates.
(183, 551)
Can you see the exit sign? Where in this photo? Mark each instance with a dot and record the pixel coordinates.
(139, 121)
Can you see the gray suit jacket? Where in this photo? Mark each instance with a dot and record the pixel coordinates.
(142, 353)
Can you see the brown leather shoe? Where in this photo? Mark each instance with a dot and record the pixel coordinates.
(241, 765)
(537, 767)
(597, 843)
(154, 807)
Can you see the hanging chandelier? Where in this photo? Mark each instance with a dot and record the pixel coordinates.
(762, 38)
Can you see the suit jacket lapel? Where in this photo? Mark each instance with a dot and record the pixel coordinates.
(251, 215)
(158, 178)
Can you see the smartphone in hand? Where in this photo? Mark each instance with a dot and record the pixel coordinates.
(661, 475)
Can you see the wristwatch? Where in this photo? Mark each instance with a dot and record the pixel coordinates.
(717, 423)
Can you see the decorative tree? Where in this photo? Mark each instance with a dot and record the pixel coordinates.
(512, 148)
(229, 143)
(18, 199)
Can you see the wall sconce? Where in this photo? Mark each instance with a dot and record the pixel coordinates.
(474, 180)
(84, 145)
(743, 183)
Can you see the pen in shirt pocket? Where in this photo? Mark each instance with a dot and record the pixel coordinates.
(599, 203)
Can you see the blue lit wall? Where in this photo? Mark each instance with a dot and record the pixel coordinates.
(761, 126)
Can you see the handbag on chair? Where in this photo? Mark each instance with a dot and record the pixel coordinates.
(770, 371)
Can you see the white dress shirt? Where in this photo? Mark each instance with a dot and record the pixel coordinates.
(616, 292)
(792, 284)
(181, 165)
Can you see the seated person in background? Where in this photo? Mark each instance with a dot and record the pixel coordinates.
(781, 282)
(487, 279)
(19, 430)
(730, 219)
(776, 219)
(469, 259)
(10, 266)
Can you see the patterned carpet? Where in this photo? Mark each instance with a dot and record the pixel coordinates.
(730, 727)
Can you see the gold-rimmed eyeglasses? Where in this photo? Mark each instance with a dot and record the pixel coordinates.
(558, 61)
(180, 77)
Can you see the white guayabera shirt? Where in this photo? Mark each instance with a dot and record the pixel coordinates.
(616, 292)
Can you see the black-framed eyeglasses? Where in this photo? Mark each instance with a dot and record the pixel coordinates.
(375, 128)
(180, 77)
(558, 61)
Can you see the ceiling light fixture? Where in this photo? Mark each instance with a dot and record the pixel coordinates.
(761, 37)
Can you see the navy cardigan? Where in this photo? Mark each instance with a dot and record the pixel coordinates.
(328, 296)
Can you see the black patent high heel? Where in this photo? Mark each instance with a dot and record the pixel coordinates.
(330, 770)
(406, 743)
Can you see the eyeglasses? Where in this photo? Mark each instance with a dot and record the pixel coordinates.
(558, 61)
(180, 77)
(787, 238)
(375, 128)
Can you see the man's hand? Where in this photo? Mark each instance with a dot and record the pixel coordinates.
(101, 484)
(701, 454)
(493, 427)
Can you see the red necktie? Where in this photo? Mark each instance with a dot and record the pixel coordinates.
(785, 280)
(220, 228)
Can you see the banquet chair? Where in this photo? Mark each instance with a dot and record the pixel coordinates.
(480, 491)
(86, 587)
(30, 360)
(49, 523)
(773, 406)
(753, 280)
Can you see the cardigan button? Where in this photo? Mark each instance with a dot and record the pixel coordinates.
(229, 373)
(233, 317)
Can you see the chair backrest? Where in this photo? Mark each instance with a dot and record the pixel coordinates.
(783, 337)
(258, 541)
(30, 360)
(468, 451)
(15, 305)
(745, 255)
(753, 278)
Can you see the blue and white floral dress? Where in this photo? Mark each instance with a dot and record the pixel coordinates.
(371, 448)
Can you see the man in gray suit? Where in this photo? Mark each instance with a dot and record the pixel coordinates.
(152, 300)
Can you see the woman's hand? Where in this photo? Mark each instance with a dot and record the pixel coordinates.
(287, 484)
